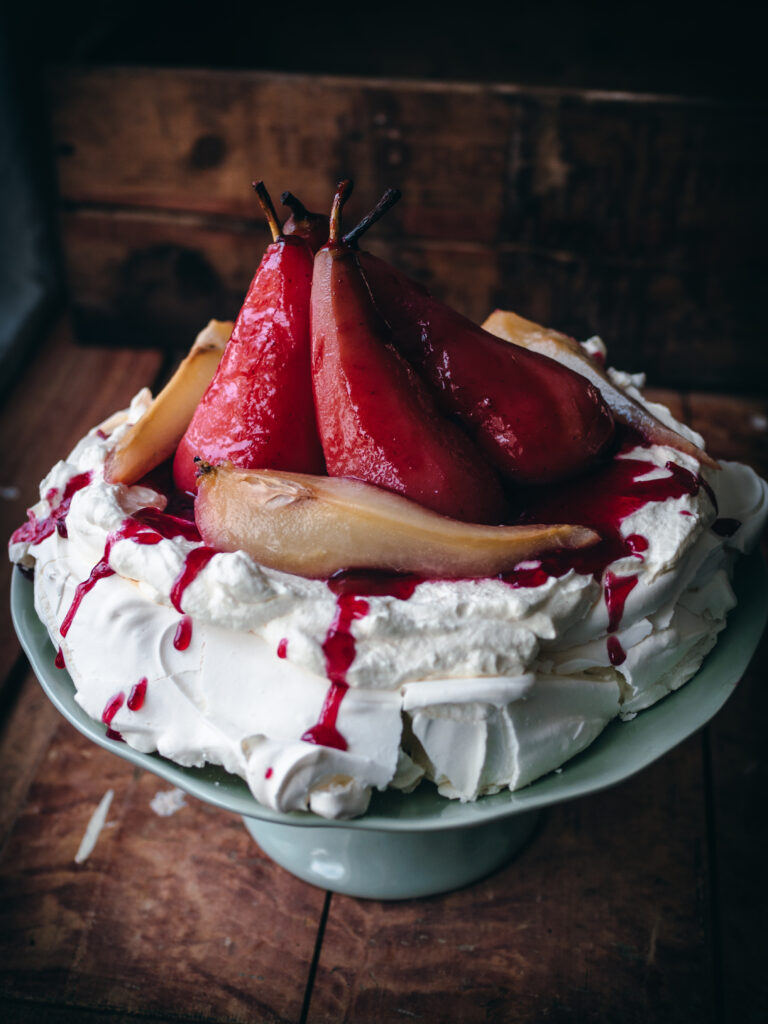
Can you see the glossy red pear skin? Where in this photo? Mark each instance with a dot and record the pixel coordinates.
(377, 421)
(258, 411)
(313, 228)
(536, 420)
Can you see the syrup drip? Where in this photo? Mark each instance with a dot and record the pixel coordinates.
(179, 503)
(111, 708)
(637, 543)
(268, 773)
(145, 526)
(183, 635)
(194, 563)
(167, 525)
(372, 583)
(58, 661)
(616, 653)
(137, 695)
(339, 651)
(617, 589)
(35, 530)
(602, 502)
(282, 648)
(131, 529)
(535, 576)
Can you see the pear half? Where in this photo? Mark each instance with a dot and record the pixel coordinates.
(511, 327)
(316, 525)
(155, 436)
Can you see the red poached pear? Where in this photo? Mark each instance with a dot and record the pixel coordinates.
(536, 420)
(258, 411)
(313, 227)
(378, 423)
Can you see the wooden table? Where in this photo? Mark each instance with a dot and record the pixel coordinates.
(643, 903)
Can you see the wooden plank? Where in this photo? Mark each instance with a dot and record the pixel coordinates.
(735, 428)
(738, 429)
(138, 279)
(64, 391)
(600, 918)
(599, 173)
(640, 218)
(33, 1013)
(25, 733)
(168, 915)
(740, 835)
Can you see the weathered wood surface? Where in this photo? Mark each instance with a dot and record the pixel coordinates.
(601, 918)
(642, 903)
(637, 217)
(179, 915)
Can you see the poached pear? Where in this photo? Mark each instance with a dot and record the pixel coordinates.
(536, 420)
(377, 420)
(154, 436)
(258, 410)
(317, 525)
(519, 331)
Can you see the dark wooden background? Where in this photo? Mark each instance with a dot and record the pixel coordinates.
(638, 217)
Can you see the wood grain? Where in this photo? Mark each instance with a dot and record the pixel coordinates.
(738, 429)
(601, 918)
(26, 730)
(739, 766)
(630, 176)
(64, 391)
(139, 279)
(637, 217)
(735, 428)
(177, 915)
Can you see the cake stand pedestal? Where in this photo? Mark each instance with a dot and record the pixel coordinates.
(392, 865)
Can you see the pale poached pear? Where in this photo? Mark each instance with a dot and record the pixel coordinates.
(317, 525)
(377, 420)
(154, 436)
(258, 410)
(565, 350)
(536, 420)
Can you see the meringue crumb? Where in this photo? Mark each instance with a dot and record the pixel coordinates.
(167, 801)
(94, 827)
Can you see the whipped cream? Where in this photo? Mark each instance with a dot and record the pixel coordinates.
(479, 685)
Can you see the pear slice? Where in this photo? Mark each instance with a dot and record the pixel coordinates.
(511, 327)
(154, 437)
(316, 525)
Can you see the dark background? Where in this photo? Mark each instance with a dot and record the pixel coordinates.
(677, 49)
(688, 49)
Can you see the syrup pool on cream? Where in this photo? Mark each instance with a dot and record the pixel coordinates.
(317, 692)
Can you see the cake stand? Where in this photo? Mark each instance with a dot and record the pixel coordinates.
(421, 843)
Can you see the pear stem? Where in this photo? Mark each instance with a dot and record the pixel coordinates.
(267, 206)
(343, 192)
(297, 208)
(388, 200)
